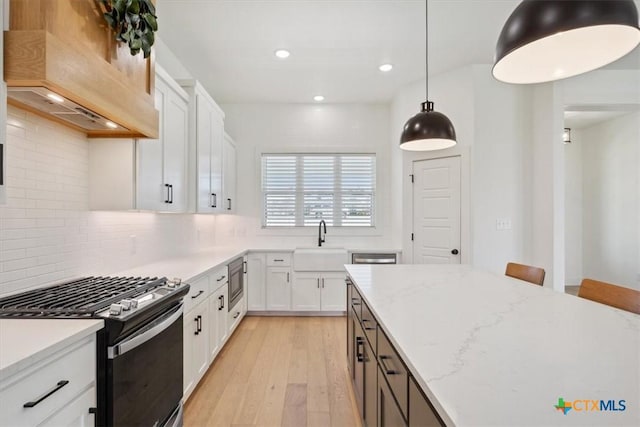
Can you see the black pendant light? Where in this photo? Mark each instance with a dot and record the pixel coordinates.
(428, 130)
(546, 40)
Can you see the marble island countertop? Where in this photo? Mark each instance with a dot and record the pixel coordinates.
(491, 350)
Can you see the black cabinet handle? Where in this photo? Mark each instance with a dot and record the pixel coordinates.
(58, 386)
(355, 301)
(455, 252)
(323, 283)
(171, 191)
(168, 199)
(222, 301)
(199, 323)
(236, 315)
(197, 326)
(214, 203)
(384, 366)
(287, 277)
(278, 260)
(228, 204)
(364, 321)
(197, 295)
(221, 278)
(318, 282)
(359, 355)
(244, 267)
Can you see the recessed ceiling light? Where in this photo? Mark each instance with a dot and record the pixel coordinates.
(318, 98)
(385, 68)
(55, 97)
(282, 53)
(111, 124)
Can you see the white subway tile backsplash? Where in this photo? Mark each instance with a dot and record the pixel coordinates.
(47, 233)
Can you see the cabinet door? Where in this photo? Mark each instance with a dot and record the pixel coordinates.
(333, 292)
(151, 192)
(204, 136)
(305, 292)
(76, 413)
(389, 414)
(175, 137)
(217, 139)
(421, 413)
(370, 389)
(221, 316)
(256, 292)
(278, 288)
(351, 317)
(201, 341)
(229, 179)
(358, 368)
(189, 330)
(215, 303)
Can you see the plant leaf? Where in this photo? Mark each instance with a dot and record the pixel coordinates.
(134, 52)
(120, 6)
(150, 6)
(133, 6)
(135, 43)
(151, 20)
(110, 20)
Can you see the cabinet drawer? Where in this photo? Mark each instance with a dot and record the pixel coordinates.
(234, 315)
(76, 366)
(370, 326)
(355, 301)
(219, 277)
(393, 370)
(279, 259)
(198, 292)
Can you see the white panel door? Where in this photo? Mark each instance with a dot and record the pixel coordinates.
(217, 139)
(334, 292)
(215, 305)
(229, 180)
(176, 135)
(436, 211)
(256, 290)
(305, 292)
(221, 315)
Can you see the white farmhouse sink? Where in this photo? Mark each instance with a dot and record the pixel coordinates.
(320, 259)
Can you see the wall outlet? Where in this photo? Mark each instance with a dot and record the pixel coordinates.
(503, 224)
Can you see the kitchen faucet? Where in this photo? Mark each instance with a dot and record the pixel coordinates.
(320, 239)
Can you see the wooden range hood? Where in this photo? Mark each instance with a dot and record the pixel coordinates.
(66, 48)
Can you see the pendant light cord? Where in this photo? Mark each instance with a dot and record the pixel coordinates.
(426, 51)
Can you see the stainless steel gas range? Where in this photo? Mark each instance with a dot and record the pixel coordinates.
(139, 366)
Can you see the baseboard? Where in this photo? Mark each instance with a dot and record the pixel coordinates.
(298, 313)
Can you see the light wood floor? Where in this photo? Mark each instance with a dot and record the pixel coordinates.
(278, 371)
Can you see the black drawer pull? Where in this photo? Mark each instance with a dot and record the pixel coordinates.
(236, 315)
(44, 396)
(359, 355)
(384, 366)
(368, 328)
(195, 319)
(221, 278)
(197, 295)
(355, 301)
(278, 260)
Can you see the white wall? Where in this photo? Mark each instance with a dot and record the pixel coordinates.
(492, 122)
(573, 208)
(611, 156)
(304, 128)
(46, 230)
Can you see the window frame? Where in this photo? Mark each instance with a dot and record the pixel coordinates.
(299, 214)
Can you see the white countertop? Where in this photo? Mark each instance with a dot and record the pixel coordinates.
(24, 342)
(492, 350)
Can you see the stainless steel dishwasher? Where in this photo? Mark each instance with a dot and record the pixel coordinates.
(374, 258)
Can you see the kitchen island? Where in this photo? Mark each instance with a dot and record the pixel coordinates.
(491, 350)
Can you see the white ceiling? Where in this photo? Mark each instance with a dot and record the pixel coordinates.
(336, 45)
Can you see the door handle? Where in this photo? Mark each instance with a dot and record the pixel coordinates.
(318, 280)
(197, 295)
(244, 267)
(220, 306)
(287, 277)
(323, 283)
(384, 366)
(455, 252)
(168, 199)
(214, 203)
(197, 329)
(171, 190)
(236, 315)
(229, 204)
(359, 355)
(222, 301)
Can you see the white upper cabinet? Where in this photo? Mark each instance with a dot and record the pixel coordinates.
(162, 163)
(206, 135)
(229, 178)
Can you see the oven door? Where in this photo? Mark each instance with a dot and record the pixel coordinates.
(146, 374)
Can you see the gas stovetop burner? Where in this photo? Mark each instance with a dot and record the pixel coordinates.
(85, 297)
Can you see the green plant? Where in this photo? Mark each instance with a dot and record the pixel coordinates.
(134, 22)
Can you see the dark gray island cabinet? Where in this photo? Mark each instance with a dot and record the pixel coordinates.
(386, 393)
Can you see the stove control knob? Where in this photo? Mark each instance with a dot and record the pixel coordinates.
(115, 309)
(126, 304)
(134, 304)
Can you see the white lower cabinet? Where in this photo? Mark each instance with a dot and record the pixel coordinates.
(196, 346)
(278, 284)
(256, 296)
(218, 320)
(69, 376)
(318, 291)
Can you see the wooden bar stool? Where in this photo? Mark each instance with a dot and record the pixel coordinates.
(613, 295)
(527, 273)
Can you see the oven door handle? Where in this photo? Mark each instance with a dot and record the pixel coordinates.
(137, 340)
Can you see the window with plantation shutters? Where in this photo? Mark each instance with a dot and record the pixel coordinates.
(301, 189)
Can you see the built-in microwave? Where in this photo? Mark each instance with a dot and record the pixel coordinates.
(236, 281)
